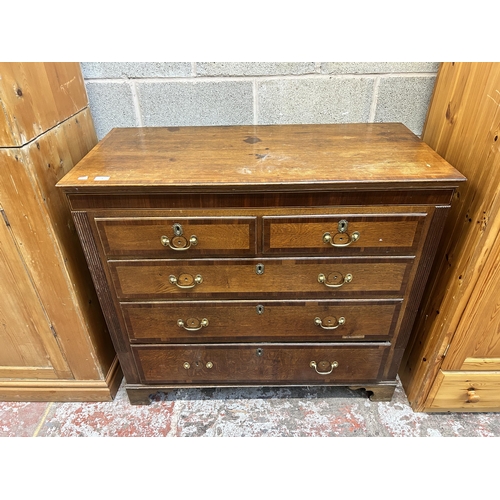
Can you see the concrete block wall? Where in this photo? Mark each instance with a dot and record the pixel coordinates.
(161, 94)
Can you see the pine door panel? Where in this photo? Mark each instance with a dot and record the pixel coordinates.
(28, 347)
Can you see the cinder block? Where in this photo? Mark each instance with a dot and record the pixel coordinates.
(253, 68)
(111, 105)
(196, 103)
(315, 100)
(405, 100)
(135, 69)
(342, 68)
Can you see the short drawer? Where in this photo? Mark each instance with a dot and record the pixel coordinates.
(177, 237)
(353, 234)
(265, 321)
(155, 279)
(466, 391)
(254, 363)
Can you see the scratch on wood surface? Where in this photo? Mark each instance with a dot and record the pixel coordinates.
(64, 86)
(497, 103)
(14, 184)
(245, 170)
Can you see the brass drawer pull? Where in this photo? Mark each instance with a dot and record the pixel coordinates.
(330, 320)
(187, 365)
(337, 240)
(333, 364)
(334, 279)
(185, 280)
(178, 242)
(341, 238)
(192, 324)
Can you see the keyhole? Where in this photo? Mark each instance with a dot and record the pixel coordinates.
(260, 309)
(177, 229)
(342, 226)
(259, 268)
(259, 352)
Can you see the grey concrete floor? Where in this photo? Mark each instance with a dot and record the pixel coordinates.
(244, 412)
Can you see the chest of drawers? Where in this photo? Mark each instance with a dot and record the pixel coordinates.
(260, 255)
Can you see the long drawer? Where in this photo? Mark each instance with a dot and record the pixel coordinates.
(161, 279)
(263, 321)
(254, 363)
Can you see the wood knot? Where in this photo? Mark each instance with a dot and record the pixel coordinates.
(450, 113)
(251, 140)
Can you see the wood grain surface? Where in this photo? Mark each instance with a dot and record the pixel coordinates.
(264, 157)
(265, 321)
(54, 343)
(144, 280)
(250, 363)
(465, 391)
(142, 236)
(273, 191)
(460, 306)
(42, 225)
(28, 347)
(37, 96)
(376, 234)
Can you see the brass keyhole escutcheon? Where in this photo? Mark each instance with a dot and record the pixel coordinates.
(260, 309)
(259, 269)
(342, 226)
(260, 351)
(177, 228)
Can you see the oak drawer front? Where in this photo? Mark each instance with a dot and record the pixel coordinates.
(155, 279)
(343, 234)
(254, 363)
(467, 391)
(177, 237)
(264, 321)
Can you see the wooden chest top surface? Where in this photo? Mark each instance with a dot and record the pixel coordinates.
(260, 157)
